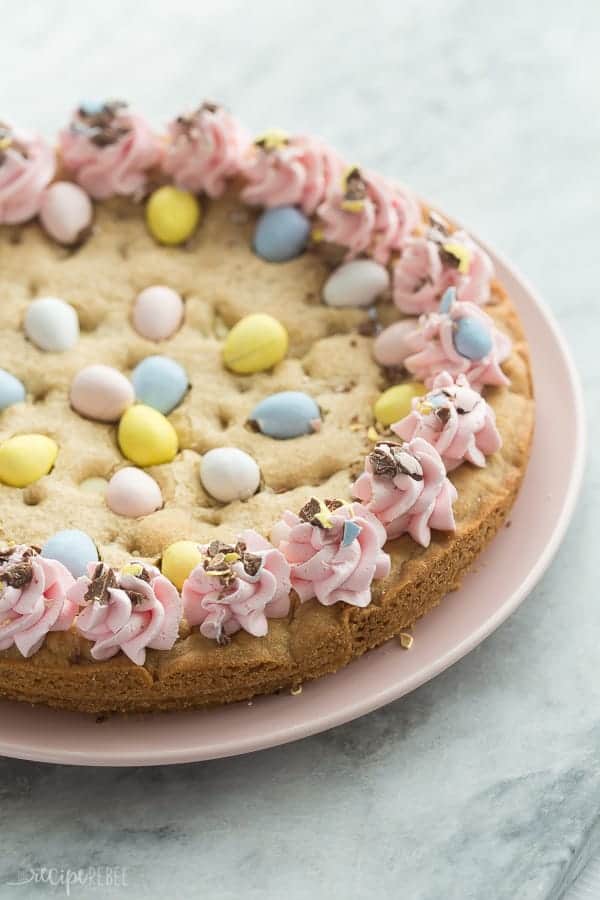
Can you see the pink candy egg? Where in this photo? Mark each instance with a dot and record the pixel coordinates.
(391, 346)
(66, 212)
(157, 313)
(101, 393)
(133, 493)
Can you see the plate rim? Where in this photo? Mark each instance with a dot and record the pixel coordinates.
(320, 722)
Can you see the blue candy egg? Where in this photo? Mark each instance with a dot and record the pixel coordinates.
(281, 234)
(286, 415)
(11, 390)
(74, 549)
(160, 382)
(471, 338)
(448, 298)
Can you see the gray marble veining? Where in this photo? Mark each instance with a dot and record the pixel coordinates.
(484, 784)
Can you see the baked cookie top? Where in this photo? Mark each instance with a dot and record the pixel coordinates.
(240, 379)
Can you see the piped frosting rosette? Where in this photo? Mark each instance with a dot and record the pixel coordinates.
(33, 599)
(430, 264)
(27, 166)
(367, 214)
(131, 610)
(454, 419)
(405, 486)
(109, 150)
(283, 170)
(206, 148)
(237, 586)
(460, 339)
(335, 551)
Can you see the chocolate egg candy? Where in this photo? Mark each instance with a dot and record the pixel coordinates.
(157, 313)
(73, 548)
(255, 343)
(179, 560)
(11, 390)
(396, 403)
(66, 212)
(392, 346)
(146, 437)
(356, 283)
(25, 458)
(51, 324)
(172, 215)
(281, 234)
(228, 474)
(287, 414)
(160, 382)
(133, 493)
(471, 338)
(101, 393)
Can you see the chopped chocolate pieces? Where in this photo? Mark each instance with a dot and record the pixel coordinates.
(251, 563)
(19, 575)
(389, 460)
(355, 186)
(313, 512)
(310, 510)
(135, 597)
(448, 258)
(208, 106)
(100, 127)
(443, 414)
(102, 580)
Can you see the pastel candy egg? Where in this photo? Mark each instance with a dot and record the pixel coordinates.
(396, 403)
(11, 390)
(66, 212)
(51, 324)
(102, 393)
(25, 458)
(94, 485)
(356, 283)
(73, 548)
(471, 338)
(392, 346)
(255, 343)
(146, 437)
(172, 215)
(447, 299)
(228, 474)
(287, 414)
(160, 382)
(281, 234)
(133, 493)
(179, 560)
(157, 313)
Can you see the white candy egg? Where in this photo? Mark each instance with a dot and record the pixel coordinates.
(51, 324)
(356, 283)
(228, 474)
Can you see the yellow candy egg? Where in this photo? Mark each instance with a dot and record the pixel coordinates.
(396, 403)
(25, 458)
(178, 560)
(255, 343)
(146, 437)
(172, 215)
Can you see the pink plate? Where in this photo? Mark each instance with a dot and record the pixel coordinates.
(504, 576)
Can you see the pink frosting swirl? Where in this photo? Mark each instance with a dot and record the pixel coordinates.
(335, 551)
(454, 419)
(237, 586)
(27, 166)
(33, 599)
(426, 269)
(296, 171)
(206, 149)
(109, 150)
(129, 610)
(367, 214)
(426, 347)
(406, 487)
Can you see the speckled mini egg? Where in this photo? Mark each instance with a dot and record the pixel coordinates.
(66, 212)
(157, 313)
(73, 548)
(355, 284)
(102, 393)
(229, 474)
(471, 338)
(51, 324)
(11, 390)
(281, 234)
(287, 414)
(133, 493)
(160, 382)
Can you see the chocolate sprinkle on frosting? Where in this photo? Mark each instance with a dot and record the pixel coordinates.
(355, 186)
(221, 557)
(313, 508)
(390, 460)
(102, 580)
(19, 575)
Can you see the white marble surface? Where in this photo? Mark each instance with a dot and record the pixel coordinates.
(485, 784)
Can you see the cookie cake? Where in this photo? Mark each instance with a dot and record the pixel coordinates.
(260, 410)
